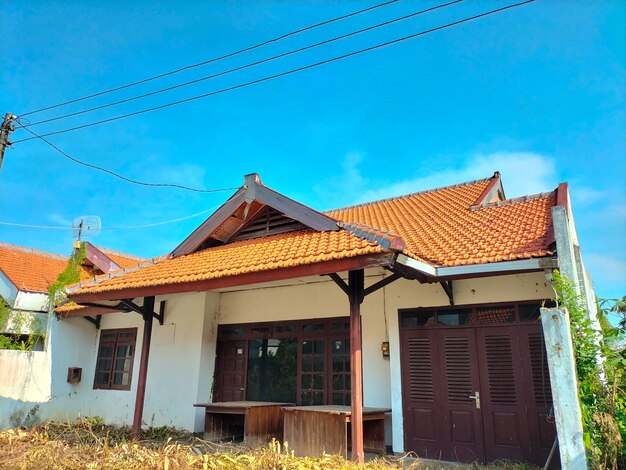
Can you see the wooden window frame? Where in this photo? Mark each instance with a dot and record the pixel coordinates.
(117, 331)
(300, 334)
(473, 307)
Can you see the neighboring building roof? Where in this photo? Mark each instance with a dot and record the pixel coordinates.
(35, 270)
(447, 226)
(30, 270)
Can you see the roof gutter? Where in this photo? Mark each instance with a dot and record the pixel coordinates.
(486, 269)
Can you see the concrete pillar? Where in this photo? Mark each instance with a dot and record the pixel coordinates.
(560, 353)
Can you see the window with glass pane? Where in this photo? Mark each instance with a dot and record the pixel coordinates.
(341, 372)
(114, 364)
(272, 370)
(313, 372)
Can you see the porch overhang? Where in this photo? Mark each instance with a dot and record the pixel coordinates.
(431, 273)
(385, 260)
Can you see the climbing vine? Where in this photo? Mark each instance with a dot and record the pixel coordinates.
(70, 275)
(602, 402)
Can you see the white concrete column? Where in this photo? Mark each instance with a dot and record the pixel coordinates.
(560, 353)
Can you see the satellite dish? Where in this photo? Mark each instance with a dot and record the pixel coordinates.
(86, 226)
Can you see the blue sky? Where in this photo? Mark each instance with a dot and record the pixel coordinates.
(536, 92)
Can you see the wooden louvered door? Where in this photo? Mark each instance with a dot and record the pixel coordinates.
(504, 394)
(439, 377)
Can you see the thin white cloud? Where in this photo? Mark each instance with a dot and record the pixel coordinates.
(606, 269)
(59, 219)
(522, 173)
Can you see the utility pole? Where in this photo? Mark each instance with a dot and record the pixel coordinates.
(5, 129)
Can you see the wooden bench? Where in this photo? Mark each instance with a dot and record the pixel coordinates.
(312, 430)
(250, 420)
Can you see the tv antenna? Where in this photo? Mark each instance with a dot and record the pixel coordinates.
(86, 226)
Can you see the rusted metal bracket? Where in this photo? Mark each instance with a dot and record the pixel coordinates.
(340, 282)
(380, 284)
(132, 306)
(95, 321)
(447, 287)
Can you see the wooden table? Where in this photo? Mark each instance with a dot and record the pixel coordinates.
(252, 420)
(312, 430)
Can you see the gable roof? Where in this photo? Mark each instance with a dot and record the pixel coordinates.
(456, 225)
(445, 227)
(33, 270)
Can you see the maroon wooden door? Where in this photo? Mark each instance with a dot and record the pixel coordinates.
(230, 371)
(511, 419)
(516, 394)
(440, 377)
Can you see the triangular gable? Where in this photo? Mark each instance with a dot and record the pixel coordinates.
(245, 214)
(99, 259)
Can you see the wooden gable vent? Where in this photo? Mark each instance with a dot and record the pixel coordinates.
(268, 221)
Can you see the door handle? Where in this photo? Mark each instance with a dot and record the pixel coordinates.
(476, 397)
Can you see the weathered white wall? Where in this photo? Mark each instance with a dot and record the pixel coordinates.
(173, 368)
(7, 290)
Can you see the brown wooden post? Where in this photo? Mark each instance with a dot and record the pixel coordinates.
(148, 309)
(356, 286)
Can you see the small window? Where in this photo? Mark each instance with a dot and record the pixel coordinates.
(116, 354)
(529, 312)
(455, 317)
(418, 318)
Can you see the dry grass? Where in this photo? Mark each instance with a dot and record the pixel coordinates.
(89, 444)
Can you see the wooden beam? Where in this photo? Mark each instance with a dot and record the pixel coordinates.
(99, 259)
(382, 283)
(356, 284)
(132, 306)
(340, 282)
(199, 235)
(346, 264)
(148, 317)
(447, 287)
(161, 315)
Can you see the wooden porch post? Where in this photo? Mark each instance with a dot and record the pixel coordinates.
(356, 286)
(148, 309)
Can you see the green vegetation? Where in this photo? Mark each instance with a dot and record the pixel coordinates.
(601, 387)
(70, 275)
(21, 322)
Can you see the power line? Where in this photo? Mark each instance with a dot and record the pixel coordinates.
(288, 72)
(246, 66)
(155, 224)
(117, 175)
(215, 59)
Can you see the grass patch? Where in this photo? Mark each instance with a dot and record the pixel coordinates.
(90, 444)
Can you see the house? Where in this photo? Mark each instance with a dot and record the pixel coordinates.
(26, 275)
(426, 304)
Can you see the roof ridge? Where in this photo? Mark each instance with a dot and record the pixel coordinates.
(120, 272)
(417, 193)
(33, 251)
(386, 239)
(514, 200)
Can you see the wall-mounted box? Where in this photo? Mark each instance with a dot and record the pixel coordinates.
(74, 374)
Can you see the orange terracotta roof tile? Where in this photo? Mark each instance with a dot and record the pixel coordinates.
(286, 250)
(30, 270)
(123, 260)
(441, 226)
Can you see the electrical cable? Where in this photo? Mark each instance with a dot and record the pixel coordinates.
(117, 175)
(215, 59)
(155, 224)
(246, 66)
(282, 74)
